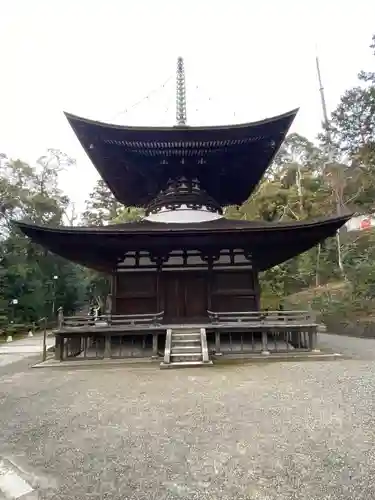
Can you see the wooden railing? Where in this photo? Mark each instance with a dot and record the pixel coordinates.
(263, 317)
(244, 332)
(263, 330)
(109, 320)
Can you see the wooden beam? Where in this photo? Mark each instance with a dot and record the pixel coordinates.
(257, 288)
(114, 277)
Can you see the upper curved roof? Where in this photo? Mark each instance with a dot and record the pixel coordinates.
(137, 162)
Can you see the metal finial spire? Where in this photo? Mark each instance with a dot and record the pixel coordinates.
(180, 93)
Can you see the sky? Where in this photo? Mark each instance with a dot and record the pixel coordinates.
(115, 61)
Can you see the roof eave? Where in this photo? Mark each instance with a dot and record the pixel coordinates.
(290, 114)
(134, 228)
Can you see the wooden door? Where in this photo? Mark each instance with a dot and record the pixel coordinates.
(173, 297)
(195, 287)
(185, 296)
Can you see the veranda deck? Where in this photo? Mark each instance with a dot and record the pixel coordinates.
(227, 333)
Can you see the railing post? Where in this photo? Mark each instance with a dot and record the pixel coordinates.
(60, 318)
(44, 339)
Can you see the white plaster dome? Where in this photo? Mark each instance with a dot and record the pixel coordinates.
(183, 202)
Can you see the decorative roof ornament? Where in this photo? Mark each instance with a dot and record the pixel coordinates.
(180, 93)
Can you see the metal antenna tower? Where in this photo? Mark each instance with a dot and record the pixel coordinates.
(321, 90)
(180, 93)
(337, 173)
(324, 109)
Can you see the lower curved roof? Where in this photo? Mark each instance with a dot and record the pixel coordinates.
(137, 162)
(100, 248)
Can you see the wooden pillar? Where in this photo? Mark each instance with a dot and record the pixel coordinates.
(58, 347)
(107, 346)
(160, 284)
(113, 292)
(159, 302)
(313, 340)
(154, 345)
(217, 344)
(265, 350)
(210, 285)
(256, 288)
(295, 339)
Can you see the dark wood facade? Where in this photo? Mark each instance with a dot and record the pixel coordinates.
(185, 285)
(185, 296)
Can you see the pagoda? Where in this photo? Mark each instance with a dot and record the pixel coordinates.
(184, 258)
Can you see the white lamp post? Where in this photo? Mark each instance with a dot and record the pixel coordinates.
(54, 278)
(14, 302)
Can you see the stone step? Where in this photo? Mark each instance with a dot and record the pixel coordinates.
(185, 330)
(186, 356)
(181, 336)
(184, 364)
(189, 347)
(188, 340)
(186, 350)
(190, 354)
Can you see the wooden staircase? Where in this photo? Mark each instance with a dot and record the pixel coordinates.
(185, 347)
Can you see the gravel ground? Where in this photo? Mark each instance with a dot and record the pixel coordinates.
(349, 346)
(262, 431)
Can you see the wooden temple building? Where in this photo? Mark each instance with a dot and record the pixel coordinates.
(185, 285)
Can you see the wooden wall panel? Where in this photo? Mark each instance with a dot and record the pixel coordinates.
(136, 305)
(234, 290)
(136, 293)
(136, 284)
(186, 295)
(234, 303)
(224, 281)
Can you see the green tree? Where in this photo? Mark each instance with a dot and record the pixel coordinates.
(101, 207)
(26, 270)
